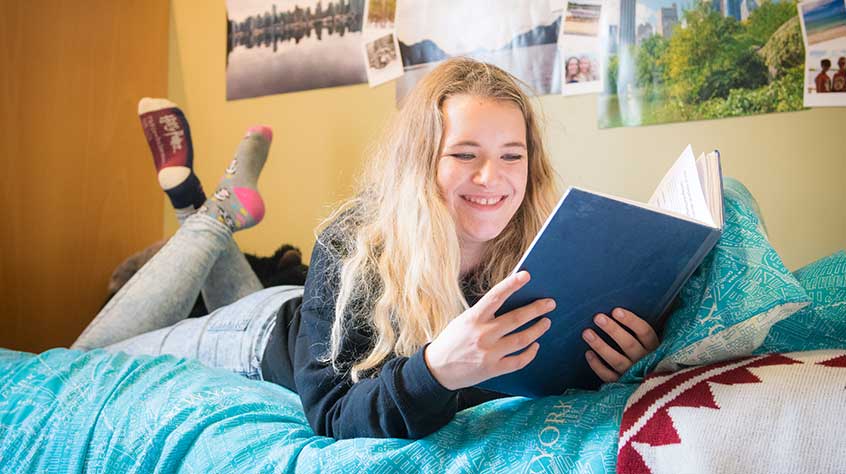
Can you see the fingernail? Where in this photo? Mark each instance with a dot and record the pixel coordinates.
(600, 319)
(589, 355)
(522, 276)
(550, 304)
(590, 336)
(619, 313)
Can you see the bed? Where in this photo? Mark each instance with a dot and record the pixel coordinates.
(750, 377)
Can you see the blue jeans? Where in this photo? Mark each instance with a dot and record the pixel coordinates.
(148, 315)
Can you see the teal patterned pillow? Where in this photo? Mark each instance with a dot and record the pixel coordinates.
(822, 325)
(732, 300)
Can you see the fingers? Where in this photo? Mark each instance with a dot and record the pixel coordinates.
(631, 347)
(644, 332)
(516, 318)
(518, 361)
(497, 295)
(604, 373)
(634, 347)
(616, 360)
(519, 340)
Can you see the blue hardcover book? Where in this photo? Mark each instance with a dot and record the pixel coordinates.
(597, 252)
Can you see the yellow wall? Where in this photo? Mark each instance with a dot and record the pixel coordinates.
(794, 163)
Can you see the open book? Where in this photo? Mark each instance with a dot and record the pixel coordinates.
(597, 252)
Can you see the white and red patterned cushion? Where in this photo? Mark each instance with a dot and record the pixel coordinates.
(765, 414)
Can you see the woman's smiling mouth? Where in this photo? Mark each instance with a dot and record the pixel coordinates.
(486, 203)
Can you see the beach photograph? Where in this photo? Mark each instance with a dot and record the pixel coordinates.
(824, 20)
(581, 19)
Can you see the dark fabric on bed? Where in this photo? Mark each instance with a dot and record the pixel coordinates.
(403, 401)
(277, 361)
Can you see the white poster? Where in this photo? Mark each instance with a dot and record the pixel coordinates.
(519, 36)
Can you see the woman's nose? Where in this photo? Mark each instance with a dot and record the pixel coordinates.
(486, 173)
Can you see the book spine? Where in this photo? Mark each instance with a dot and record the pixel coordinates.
(697, 258)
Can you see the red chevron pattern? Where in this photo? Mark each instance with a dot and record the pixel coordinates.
(647, 420)
(836, 362)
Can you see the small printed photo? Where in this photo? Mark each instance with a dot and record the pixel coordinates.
(825, 77)
(580, 67)
(581, 19)
(828, 75)
(383, 59)
(380, 14)
(823, 20)
(381, 53)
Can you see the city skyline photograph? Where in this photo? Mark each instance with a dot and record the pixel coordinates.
(274, 47)
(662, 15)
(646, 11)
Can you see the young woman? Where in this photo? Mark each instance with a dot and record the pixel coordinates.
(572, 70)
(586, 73)
(396, 322)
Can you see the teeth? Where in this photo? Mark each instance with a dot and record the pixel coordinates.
(483, 201)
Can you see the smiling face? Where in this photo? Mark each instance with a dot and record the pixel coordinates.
(482, 167)
(584, 65)
(572, 66)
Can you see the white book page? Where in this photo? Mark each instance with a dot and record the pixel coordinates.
(702, 171)
(681, 191)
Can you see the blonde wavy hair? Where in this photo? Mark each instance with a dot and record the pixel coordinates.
(399, 251)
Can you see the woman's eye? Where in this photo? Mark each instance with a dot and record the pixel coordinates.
(464, 156)
(512, 157)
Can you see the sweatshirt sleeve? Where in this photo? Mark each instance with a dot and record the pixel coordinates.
(403, 401)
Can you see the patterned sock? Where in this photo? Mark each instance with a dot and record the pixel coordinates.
(169, 138)
(236, 202)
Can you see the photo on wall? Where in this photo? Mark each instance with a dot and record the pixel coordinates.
(824, 28)
(383, 59)
(582, 18)
(580, 47)
(823, 21)
(380, 14)
(580, 66)
(275, 47)
(520, 36)
(682, 60)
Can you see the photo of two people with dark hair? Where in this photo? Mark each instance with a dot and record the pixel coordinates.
(831, 81)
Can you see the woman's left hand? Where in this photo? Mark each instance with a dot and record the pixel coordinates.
(634, 347)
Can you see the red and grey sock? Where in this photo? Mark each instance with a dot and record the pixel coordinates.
(169, 138)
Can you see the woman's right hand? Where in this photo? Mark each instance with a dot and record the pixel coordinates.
(477, 346)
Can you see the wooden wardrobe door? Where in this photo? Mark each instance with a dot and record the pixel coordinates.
(78, 191)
